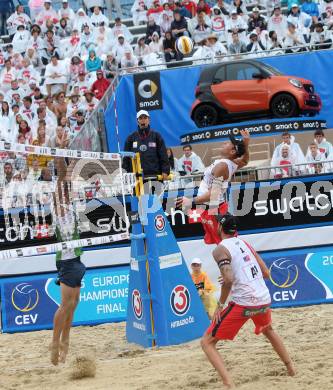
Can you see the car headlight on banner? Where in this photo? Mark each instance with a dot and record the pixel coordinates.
(296, 83)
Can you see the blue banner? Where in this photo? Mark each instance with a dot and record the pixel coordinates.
(178, 94)
(300, 277)
(29, 302)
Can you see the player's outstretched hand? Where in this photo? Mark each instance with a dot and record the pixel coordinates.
(183, 202)
(246, 136)
(217, 315)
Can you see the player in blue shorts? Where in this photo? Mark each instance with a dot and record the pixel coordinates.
(68, 261)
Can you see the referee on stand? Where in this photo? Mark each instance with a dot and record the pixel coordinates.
(150, 145)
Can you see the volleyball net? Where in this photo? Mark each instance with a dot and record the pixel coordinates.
(35, 182)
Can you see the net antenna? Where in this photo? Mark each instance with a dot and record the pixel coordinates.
(93, 180)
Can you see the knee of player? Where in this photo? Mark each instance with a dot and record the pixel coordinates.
(205, 341)
(268, 330)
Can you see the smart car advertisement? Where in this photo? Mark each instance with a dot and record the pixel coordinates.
(173, 96)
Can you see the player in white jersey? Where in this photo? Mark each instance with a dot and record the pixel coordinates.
(243, 272)
(215, 182)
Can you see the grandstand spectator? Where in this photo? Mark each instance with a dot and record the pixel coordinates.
(120, 47)
(65, 12)
(320, 38)
(28, 110)
(203, 54)
(20, 39)
(190, 163)
(218, 23)
(278, 23)
(110, 66)
(141, 49)
(37, 96)
(8, 172)
(326, 9)
(16, 19)
(155, 46)
(129, 60)
(172, 160)
(310, 8)
(48, 13)
(35, 7)
(323, 145)
(256, 20)
(80, 20)
(34, 171)
(235, 24)
(103, 40)
(178, 25)
(120, 28)
(191, 7)
(239, 7)
(51, 47)
(91, 4)
(73, 106)
(98, 18)
(155, 11)
(202, 6)
(78, 123)
(75, 68)
(59, 138)
(328, 19)
(6, 118)
(273, 43)
(49, 120)
(316, 160)
(73, 46)
(224, 7)
(56, 75)
(295, 150)
(14, 89)
(255, 46)
(87, 41)
(60, 106)
(284, 160)
(170, 52)
(6, 9)
(82, 84)
(25, 129)
(179, 7)
(299, 19)
(151, 28)
(100, 86)
(41, 138)
(150, 145)
(237, 47)
(64, 30)
(201, 30)
(8, 74)
(165, 22)
(293, 39)
(139, 12)
(89, 102)
(218, 49)
(93, 62)
(34, 60)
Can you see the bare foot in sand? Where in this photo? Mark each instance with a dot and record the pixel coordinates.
(63, 351)
(290, 368)
(54, 349)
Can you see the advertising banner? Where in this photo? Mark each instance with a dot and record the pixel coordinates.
(300, 277)
(179, 86)
(29, 303)
(147, 90)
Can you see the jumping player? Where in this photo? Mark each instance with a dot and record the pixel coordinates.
(70, 268)
(243, 272)
(211, 193)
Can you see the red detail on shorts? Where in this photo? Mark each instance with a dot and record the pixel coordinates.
(210, 224)
(232, 320)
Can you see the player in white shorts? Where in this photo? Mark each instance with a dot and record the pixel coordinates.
(243, 272)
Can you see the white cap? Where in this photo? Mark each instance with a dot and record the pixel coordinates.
(142, 112)
(196, 260)
(65, 1)
(255, 9)
(234, 11)
(294, 5)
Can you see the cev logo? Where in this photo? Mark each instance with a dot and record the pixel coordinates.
(24, 297)
(283, 273)
(159, 223)
(137, 304)
(147, 89)
(180, 300)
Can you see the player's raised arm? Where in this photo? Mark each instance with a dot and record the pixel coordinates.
(244, 159)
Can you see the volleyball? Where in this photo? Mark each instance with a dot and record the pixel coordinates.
(184, 45)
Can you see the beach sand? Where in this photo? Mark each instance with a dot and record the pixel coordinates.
(307, 332)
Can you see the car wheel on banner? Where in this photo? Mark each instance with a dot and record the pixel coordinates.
(137, 304)
(180, 300)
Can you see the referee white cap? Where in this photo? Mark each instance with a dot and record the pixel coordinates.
(142, 112)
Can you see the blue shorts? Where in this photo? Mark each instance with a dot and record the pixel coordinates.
(70, 272)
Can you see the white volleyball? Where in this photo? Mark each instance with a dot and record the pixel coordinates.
(184, 45)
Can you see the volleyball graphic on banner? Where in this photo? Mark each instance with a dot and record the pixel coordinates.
(184, 45)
